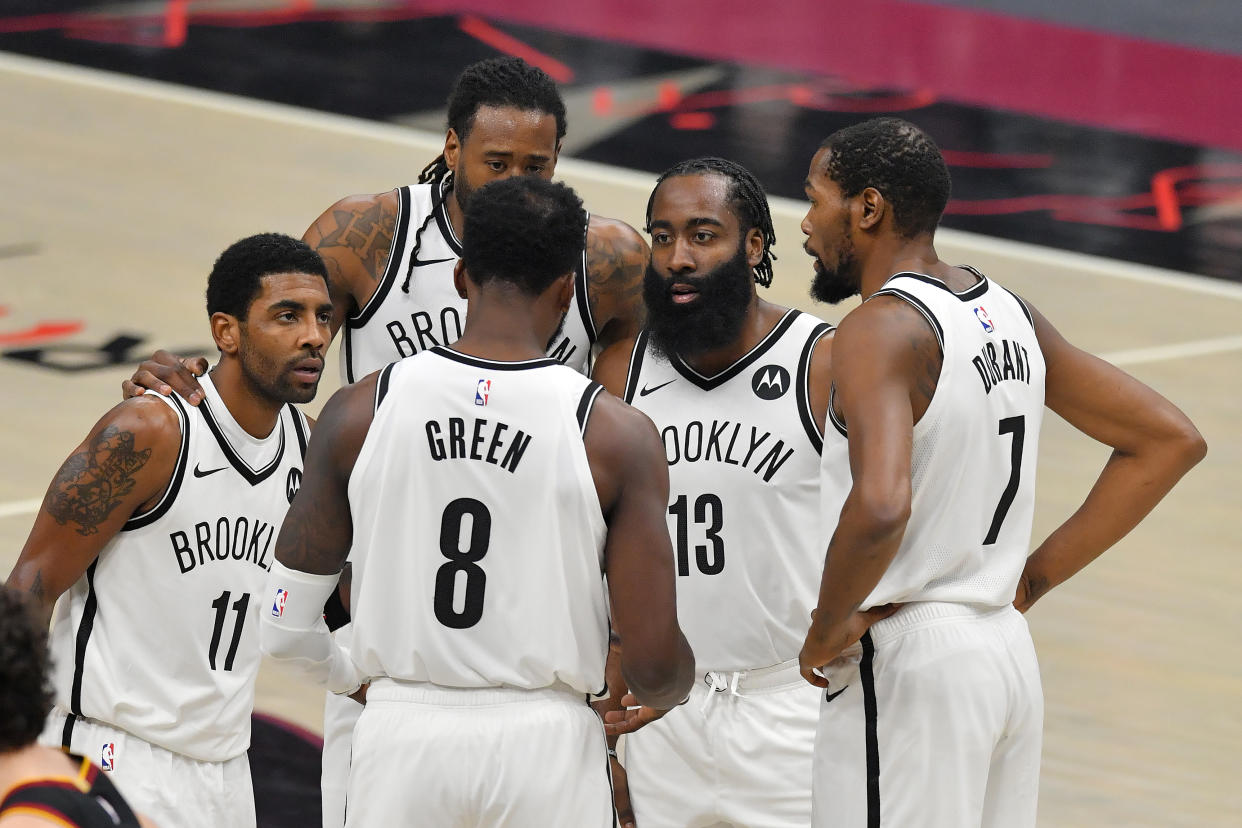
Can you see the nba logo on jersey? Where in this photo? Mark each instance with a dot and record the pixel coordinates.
(278, 605)
(984, 320)
(480, 394)
(107, 756)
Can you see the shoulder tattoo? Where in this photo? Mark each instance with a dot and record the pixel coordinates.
(93, 482)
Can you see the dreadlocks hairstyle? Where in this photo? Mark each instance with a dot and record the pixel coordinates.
(746, 197)
(25, 698)
(496, 82)
(898, 159)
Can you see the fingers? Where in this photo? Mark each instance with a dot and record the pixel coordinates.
(196, 365)
(143, 381)
(881, 612)
(813, 677)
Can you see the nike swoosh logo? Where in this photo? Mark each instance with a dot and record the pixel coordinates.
(647, 390)
(421, 263)
(830, 696)
(200, 473)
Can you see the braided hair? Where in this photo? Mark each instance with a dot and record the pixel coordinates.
(506, 81)
(746, 197)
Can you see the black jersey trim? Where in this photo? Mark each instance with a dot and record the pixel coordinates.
(300, 428)
(251, 476)
(836, 421)
(444, 222)
(582, 293)
(803, 385)
(174, 483)
(347, 345)
(918, 305)
(381, 385)
(586, 403)
(866, 673)
(393, 268)
(491, 364)
(1021, 304)
(85, 627)
(970, 294)
(636, 365)
(708, 383)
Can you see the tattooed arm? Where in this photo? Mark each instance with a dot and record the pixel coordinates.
(617, 258)
(354, 237)
(122, 467)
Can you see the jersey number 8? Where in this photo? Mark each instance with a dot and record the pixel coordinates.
(462, 561)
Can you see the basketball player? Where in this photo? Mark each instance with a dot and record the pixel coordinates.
(485, 490)
(41, 786)
(391, 258)
(161, 525)
(738, 388)
(940, 379)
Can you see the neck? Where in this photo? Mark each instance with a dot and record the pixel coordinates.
(254, 412)
(894, 255)
(506, 329)
(761, 318)
(32, 762)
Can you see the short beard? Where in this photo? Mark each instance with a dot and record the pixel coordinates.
(556, 335)
(834, 286)
(461, 189)
(713, 320)
(269, 380)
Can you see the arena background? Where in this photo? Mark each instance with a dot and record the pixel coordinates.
(1097, 164)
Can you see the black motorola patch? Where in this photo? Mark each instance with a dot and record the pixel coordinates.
(292, 483)
(770, 382)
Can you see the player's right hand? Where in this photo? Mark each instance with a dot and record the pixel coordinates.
(631, 717)
(164, 373)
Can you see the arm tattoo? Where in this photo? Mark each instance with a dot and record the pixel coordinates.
(930, 359)
(615, 278)
(366, 232)
(93, 482)
(36, 587)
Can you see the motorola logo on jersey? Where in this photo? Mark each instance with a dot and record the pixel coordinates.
(984, 319)
(770, 382)
(293, 483)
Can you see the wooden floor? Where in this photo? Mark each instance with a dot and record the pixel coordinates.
(120, 193)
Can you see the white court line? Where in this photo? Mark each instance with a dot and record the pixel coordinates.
(1180, 350)
(20, 507)
(642, 182)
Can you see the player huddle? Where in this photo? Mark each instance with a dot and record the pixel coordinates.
(785, 564)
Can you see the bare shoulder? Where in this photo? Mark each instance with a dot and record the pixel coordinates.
(354, 236)
(613, 365)
(620, 435)
(616, 259)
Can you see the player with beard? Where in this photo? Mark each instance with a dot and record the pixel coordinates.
(940, 380)
(738, 388)
(160, 529)
(391, 257)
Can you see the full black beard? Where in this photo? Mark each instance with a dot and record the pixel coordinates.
(714, 320)
(833, 286)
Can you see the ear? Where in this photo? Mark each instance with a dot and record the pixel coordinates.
(565, 292)
(452, 149)
(872, 208)
(459, 278)
(226, 331)
(754, 247)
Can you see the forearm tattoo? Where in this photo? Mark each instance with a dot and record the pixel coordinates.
(366, 232)
(93, 482)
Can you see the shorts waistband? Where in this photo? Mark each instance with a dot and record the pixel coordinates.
(925, 613)
(424, 692)
(762, 678)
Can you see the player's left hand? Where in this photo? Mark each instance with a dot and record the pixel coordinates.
(824, 645)
(631, 717)
(621, 794)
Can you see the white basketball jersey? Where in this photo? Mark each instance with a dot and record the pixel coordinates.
(743, 453)
(160, 637)
(478, 535)
(973, 469)
(396, 323)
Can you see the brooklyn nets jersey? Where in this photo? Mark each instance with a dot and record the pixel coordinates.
(396, 324)
(973, 470)
(160, 637)
(478, 536)
(743, 454)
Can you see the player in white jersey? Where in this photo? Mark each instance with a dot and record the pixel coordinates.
(160, 529)
(738, 388)
(485, 491)
(391, 257)
(940, 378)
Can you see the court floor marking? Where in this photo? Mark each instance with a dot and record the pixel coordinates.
(1178, 350)
(406, 136)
